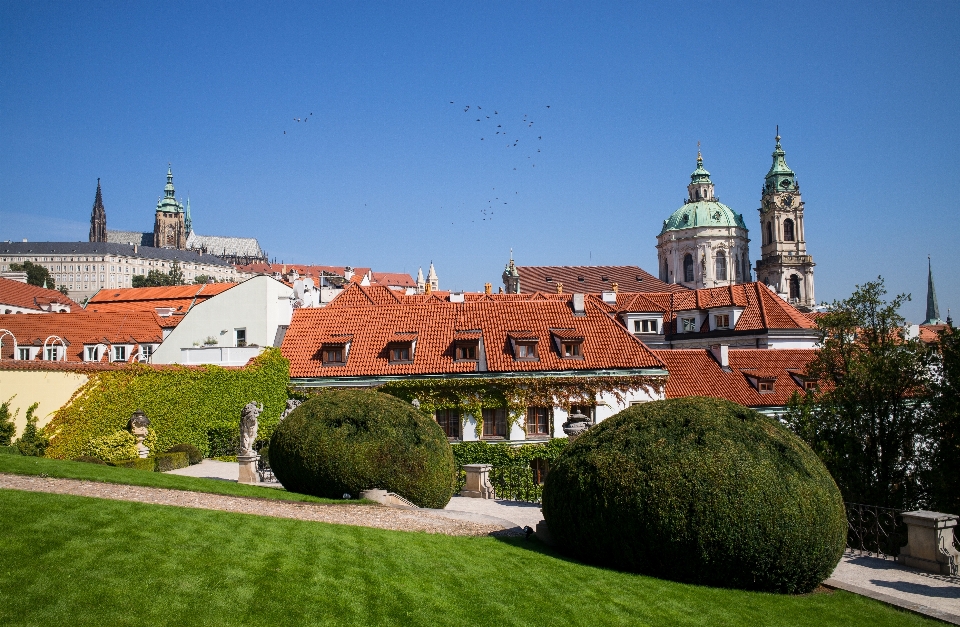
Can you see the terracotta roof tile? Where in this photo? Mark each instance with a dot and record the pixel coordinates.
(28, 296)
(606, 343)
(694, 372)
(179, 298)
(591, 279)
(81, 327)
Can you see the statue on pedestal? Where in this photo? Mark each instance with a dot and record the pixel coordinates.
(138, 428)
(248, 426)
(292, 404)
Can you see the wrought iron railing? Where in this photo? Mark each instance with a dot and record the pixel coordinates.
(264, 472)
(875, 531)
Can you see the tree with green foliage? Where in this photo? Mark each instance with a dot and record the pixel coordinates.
(203, 278)
(869, 419)
(36, 274)
(944, 476)
(7, 427)
(155, 278)
(63, 290)
(33, 442)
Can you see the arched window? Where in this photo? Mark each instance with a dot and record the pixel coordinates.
(795, 287)
(663, 272)
(721, 266)
(788, 230)
(769, 233)
(688, 268)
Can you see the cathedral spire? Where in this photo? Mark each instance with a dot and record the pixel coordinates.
(780, 178)
(933, 309)
(187, 221)
(98, 218)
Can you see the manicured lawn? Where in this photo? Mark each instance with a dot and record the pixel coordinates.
(20, 465)
(80, 561)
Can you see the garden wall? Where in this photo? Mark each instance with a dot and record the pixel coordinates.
(51, 388)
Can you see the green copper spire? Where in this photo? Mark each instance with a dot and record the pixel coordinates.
(169, 202)
(700, 175)
(780, 178)
(187, 221)
(933, 310)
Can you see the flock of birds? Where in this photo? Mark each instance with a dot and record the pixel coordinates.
(305, 118)
(498, 127)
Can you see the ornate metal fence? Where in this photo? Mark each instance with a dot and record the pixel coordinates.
(264, 471)
(875, 531)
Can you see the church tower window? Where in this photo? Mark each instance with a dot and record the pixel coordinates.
(769, 232)
(794, 287)
(688, 268)
(788, 230)
(721, 266)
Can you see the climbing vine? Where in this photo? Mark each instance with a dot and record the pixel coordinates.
(183, 404)
(516, 394)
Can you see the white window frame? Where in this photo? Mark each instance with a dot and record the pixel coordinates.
(117, 350)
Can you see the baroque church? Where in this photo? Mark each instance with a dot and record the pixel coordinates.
(173, 228)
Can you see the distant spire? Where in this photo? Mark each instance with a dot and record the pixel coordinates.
(933, 310)
(98, 218)
(187, 221)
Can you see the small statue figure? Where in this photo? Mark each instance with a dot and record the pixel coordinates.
(292, 404)
(575, 425)
(138, 428)
(248, 426)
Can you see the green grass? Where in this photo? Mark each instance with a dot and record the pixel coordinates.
(20, 465)
(81, 561)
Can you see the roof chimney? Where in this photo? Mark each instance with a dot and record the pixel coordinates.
(721, 352)
(456, 297)
(609, 297)
(487, 288)
(579, 308)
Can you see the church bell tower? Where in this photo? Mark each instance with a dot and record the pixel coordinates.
(98, 218)
(784, 264)
(169, 230)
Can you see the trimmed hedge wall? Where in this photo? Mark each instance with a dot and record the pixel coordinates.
(183, 404)
(138, 463)
(698, 490)
(171, 461)
(194, 456)
(345, 441)
(512, 475)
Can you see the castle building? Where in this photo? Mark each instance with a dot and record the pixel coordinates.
(173, 228)
(704, 243)
(784, 264)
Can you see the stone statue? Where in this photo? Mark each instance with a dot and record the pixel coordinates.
(292, 404)
(575, 425)
(138, 428)
(248, 426)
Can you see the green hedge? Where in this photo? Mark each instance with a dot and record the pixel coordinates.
(138, 463)
(183, 404)
(90, 460)
(698, 490)
(171, 461)
(9, 450)
(512, 475)
(194, 456)
(345, 441)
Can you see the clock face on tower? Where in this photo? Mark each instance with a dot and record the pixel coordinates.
(788, 201)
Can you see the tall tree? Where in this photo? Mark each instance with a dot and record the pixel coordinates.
(155, 278)
(944, 478)
(36, 274)
(869, 420)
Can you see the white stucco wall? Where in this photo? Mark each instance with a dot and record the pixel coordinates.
(259, 305)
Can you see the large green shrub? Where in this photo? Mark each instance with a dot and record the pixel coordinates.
(33, 442)
(512, 476)
(345, 441)
(114, 447)
(183, 404)
(698, 490)
(7, 428)
(171, 461)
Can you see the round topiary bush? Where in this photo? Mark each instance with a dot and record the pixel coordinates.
(345, 441)
(698, 490)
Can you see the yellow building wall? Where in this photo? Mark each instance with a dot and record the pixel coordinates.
(51, 389)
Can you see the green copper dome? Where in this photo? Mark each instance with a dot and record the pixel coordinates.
(780, 178)
(702, 213)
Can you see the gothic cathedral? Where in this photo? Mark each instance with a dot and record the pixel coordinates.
(784, 264)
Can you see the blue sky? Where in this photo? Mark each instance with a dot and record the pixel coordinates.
(387, 173)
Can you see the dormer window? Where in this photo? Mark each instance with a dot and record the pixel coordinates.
(524, 345)
(721, 321)
(401, 353)
(571, 350)
(645, 326)
(526, 350)
(332, 355)
(765, 386)
(93, 353)
(119, 353)
(568, 342)
(689, 325)
(466, 351)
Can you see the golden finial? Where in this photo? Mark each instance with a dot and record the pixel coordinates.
(699, 157)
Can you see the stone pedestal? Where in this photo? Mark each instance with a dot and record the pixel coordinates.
(478, 484)
(248, 468)
(930, 542)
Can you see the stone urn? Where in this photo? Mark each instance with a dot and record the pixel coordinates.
(575, 425)
(138, 428)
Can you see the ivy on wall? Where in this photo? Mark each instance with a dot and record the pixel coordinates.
(183, 404)
(515, 394)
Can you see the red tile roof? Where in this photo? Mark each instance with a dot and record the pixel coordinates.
(930, 333)
(79, 328)
(373, 316)
(28, 296)
(694, 372)
(591, 279)
(762, 308)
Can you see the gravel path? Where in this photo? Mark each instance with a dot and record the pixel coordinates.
(375, 516)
